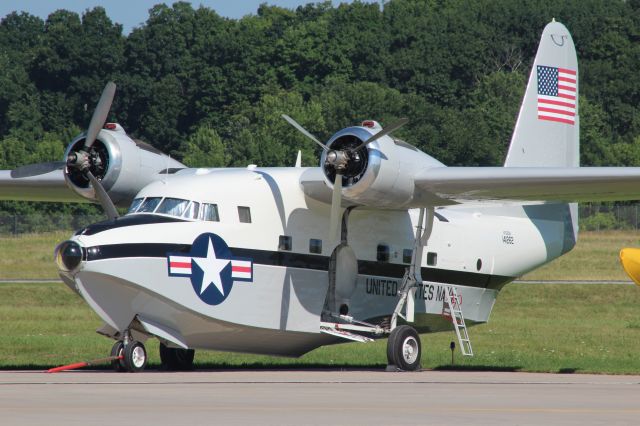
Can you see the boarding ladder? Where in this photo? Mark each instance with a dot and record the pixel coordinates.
(455, 308)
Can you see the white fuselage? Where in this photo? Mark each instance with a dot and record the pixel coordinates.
(127, 275)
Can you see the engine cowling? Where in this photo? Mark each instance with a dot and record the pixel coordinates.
(379, 174)
(123, 165)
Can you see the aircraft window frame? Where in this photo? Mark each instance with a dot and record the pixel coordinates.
(285, 243)
(315, 246)
(383, 253)
(134, 206)
(204, 211)
(190, 212)
(177, 209)
(432, 258)
(157, 201)
(244, 214)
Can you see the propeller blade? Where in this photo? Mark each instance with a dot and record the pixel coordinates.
(37, 169)
(103, 197)
(336, 201)
(304, 131)
(100, 114)
(395, 126)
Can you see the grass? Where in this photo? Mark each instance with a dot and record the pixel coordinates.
(547, 327)
(594, 258)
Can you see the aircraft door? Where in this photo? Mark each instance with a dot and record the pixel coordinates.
(343, 274)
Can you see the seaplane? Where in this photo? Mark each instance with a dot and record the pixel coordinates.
(380, 240)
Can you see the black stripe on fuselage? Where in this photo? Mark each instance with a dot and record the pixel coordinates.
(127, 220)
(299, 260)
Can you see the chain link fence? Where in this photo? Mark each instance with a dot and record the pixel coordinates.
(593, 217)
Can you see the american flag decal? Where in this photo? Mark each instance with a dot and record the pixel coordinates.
(557, 90)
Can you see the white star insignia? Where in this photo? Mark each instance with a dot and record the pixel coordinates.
(211, 268)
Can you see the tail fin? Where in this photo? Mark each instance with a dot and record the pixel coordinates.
(547, 131)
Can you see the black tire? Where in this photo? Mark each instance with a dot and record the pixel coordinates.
(135, 357)
(176, 359)
(405, 348)
(391, 358)
(118, 350)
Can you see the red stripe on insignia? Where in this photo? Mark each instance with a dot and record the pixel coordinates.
(241, 269)
(180, 264)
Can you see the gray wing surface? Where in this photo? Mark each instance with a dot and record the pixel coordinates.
(45, 187)
(522, 184)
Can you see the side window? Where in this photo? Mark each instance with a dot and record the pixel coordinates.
(209, 212)
(315, 246)
(406, 255)
(382, 253)
(432, 258)
(135, 204)
(284, 243)
(244, 214)
(173, 206)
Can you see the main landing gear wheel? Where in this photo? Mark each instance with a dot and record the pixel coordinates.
(118, 350)
(135, 356)
(404, 349)
(176, 359)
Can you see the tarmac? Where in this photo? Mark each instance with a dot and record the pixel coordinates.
(313, 397)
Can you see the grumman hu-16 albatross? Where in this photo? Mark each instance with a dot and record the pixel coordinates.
(379, 240)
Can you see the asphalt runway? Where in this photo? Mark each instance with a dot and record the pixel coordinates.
(316, 397)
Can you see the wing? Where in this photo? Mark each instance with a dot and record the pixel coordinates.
(449, 185)
(43, 187)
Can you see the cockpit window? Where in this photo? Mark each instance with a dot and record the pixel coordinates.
(173, 206)
(149, 205)
(210, 212)
(192, 210)
(135, 204)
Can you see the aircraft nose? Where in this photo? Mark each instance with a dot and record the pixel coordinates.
(68, 255)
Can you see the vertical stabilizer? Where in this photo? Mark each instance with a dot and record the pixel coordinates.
(547, 130)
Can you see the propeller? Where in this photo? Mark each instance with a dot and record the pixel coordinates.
(339, 160)
(84, 159)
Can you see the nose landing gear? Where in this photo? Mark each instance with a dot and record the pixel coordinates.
(133, 355)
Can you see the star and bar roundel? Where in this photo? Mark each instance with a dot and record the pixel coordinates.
(211, 268)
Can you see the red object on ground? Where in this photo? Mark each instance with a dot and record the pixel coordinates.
(83, 364)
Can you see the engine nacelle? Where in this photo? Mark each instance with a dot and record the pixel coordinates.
(124, 166)
(380, 174)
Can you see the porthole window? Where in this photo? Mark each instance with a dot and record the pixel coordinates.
(382, 253)
(315, 246)
(432, 258)
(479, 264)
(284, 243)
(244, 214)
